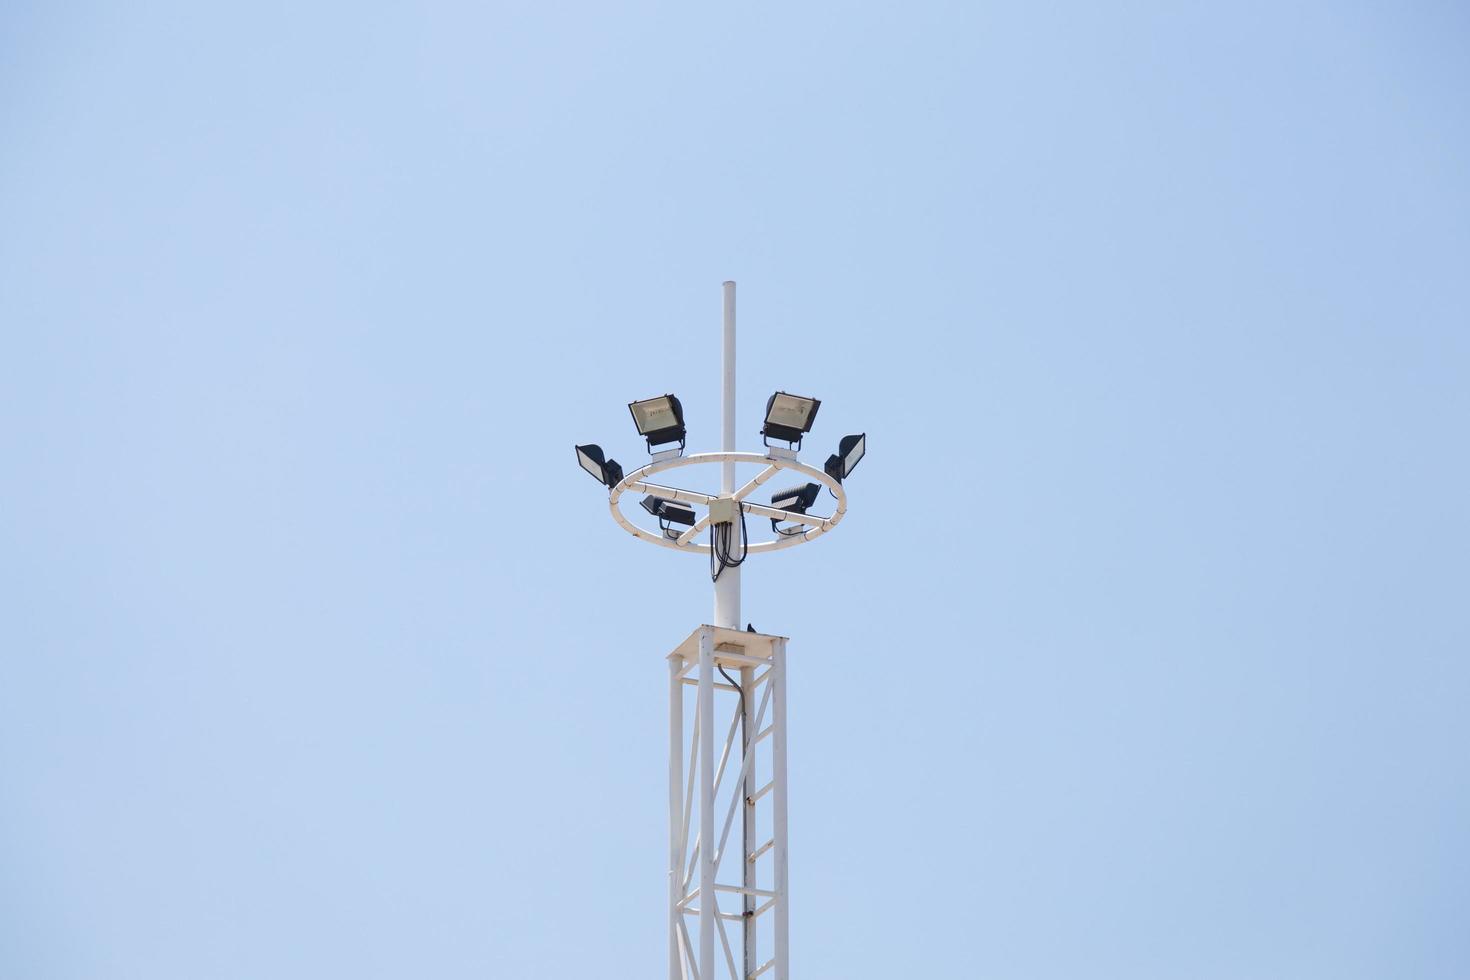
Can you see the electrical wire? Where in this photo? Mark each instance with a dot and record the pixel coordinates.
(740, 691)
(721, 550)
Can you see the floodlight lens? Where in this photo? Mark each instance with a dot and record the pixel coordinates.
(654, 414)
(789, 416)
(850, 452)
(604, 471)
(659, 420)
(590, 459)
(791, 411)
(852, 449)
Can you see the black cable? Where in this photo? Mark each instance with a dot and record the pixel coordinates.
(744, 735)
(720, 549)
(714, 552)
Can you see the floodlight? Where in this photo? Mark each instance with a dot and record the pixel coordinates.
(849, 453)
(788, 416)
(660, 420)
(604, 471)
(669, 510)
(797, 500)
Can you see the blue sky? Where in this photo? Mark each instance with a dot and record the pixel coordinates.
(1141, 654)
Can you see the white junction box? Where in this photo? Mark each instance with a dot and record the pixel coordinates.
(723, 510)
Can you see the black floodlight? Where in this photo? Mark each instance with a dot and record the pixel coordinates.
(849, 453)
(797, 500)
(604, 471)
(789, 416)
(660, 420)
(669, 510)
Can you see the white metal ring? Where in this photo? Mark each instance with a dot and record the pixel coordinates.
(637, 480)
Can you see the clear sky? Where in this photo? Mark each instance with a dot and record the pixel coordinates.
(1144, 651)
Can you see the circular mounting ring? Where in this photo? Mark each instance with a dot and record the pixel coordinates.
(637, 480)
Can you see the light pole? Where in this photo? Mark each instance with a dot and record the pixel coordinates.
(727, 586)
(742, 714)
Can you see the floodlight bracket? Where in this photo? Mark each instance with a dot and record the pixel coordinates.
(777, 452)
(664, 454)
(638, 481)
(793, 446)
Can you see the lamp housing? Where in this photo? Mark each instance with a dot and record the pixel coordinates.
(798, 500)
(605, 471)
(659, 420)
(669, 510)
(850, 452)
(788, 417)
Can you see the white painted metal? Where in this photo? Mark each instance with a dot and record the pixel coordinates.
(676, 800)
(776, 513)
(723, 510)
(708, 903)
(697, 527)
(749, 725)
(711, 800)
(637, 482)
(778, 808)
(727, 585)
(760, 478)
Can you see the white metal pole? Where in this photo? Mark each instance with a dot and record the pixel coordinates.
(708, 904)
(727, 586)
(782, 908)
(747, 829)
(676, 810)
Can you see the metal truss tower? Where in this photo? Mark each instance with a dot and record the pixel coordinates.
(728, 888)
